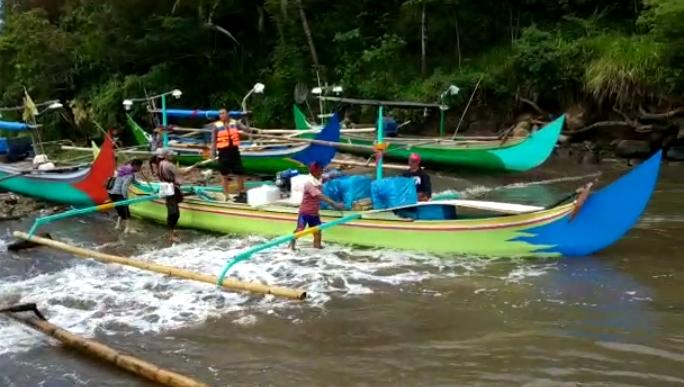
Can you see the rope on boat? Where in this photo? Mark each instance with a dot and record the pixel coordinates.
(228, 284)
(129, 363)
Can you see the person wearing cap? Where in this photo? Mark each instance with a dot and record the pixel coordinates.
(157, 139)
(423, 186)
(311, 205)
(226, 141)
(157, 157)
(125, 176)
(169, 174)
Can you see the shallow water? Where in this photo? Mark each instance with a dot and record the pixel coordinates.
(374, 316)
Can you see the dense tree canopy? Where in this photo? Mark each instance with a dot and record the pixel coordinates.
(96, 53)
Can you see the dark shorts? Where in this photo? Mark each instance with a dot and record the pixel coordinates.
(123, 211)
(308, 220)
(230, 162)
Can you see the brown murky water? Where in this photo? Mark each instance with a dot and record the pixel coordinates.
(375, 317)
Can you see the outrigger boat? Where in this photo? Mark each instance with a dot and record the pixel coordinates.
(479, 228)
(580, 225)
(257, 157)
(80, 186)
(515, 154)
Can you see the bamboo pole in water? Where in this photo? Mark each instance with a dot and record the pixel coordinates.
(229, 284)
(103, 352)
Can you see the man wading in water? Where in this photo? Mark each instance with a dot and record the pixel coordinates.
(168, 174)
(125, 176)
(311, 205)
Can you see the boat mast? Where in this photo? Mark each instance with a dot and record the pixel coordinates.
(379, 146)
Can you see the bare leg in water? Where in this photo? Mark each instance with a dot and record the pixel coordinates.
(318, 236)
(225, 182)
(240, 184)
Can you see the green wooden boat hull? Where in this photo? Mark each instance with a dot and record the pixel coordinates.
(517, 155)
(62, 192)
(427, 236)
(572, 229)
(261, 164)
(83, 187)
(266, 162)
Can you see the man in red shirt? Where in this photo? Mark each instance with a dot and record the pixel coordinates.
(311, 205)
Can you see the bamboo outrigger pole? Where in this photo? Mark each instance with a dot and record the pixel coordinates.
(319, 142)
(81, 211)
(127, 362)
(229, 284)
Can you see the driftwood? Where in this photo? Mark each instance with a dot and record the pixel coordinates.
(644, 115)
(531, 104)
(627, 123)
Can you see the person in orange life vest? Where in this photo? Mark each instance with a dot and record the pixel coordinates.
(226, 141)
(423, 186)
(311, 205)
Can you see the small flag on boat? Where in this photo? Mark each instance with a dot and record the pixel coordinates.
(322, 154)
(30, 109)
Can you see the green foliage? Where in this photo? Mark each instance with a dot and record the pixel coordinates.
(378, 71)
(33, 54)
(95, 53)
(544, 63)
(624, 69)
(665, 21)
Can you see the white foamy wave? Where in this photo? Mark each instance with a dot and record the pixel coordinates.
(551, 181)
(93, 298)
(474, 191)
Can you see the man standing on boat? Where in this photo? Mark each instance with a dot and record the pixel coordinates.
(423, 186)
(226, 141)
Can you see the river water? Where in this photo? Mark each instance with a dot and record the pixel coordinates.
(374, 316)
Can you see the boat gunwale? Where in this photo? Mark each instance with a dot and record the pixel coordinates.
(286, 213)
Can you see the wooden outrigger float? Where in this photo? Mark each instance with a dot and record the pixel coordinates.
(228, 284)
(98, 350)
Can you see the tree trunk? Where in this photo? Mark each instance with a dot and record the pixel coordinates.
(423, 42)
(312, 48)
(309, 38)
(510, 23)
(458, 42)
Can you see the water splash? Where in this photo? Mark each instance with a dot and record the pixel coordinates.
(91, 298)
(474, 191)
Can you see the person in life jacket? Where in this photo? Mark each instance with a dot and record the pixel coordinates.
(226, 140)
